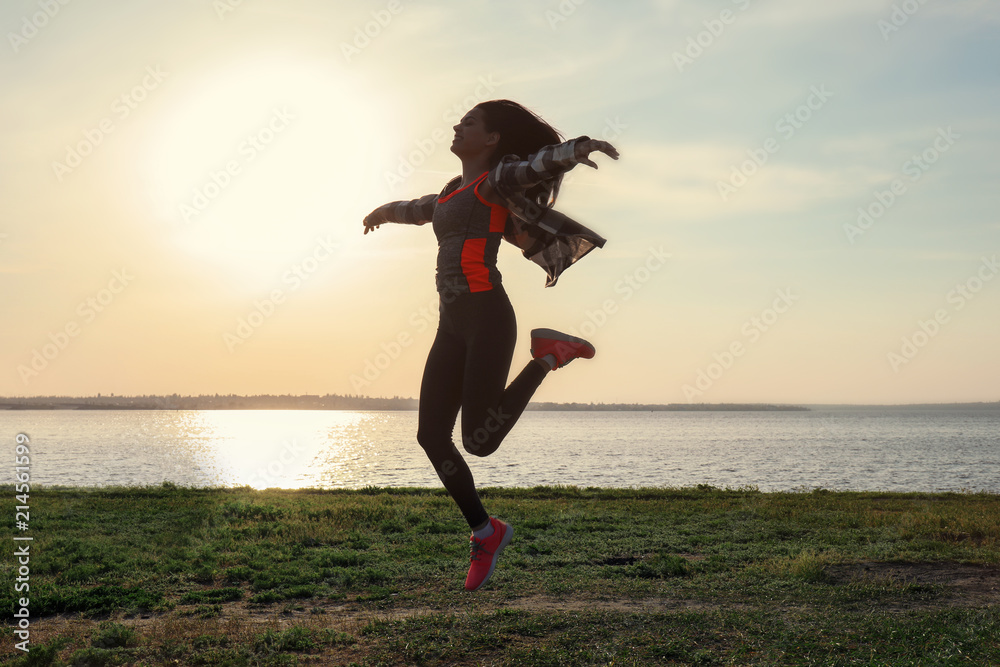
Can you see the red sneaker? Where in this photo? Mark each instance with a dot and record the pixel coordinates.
(563, 347)
(485, 554)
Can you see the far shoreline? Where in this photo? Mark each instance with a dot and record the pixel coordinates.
(396, 403)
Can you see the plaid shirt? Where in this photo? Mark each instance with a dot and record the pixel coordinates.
(545, 236)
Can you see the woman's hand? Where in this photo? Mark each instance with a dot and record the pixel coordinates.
(372, 221)
(585, 148)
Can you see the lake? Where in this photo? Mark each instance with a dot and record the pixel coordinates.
(842, 448)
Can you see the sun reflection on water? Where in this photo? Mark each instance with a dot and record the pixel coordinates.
(290, 449)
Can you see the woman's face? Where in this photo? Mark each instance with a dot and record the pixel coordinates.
(471, 137)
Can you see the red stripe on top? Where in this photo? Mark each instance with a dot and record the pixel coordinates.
(452, 194)
(498, 214)
(474, 265)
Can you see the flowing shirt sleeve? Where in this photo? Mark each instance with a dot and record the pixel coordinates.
(545, 236)
(513, 175)
(414, 212)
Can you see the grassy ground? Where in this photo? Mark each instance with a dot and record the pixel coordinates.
(168, 576)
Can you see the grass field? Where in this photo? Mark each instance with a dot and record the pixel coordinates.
(700, 576)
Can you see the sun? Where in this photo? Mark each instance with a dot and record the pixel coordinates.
(252, 160)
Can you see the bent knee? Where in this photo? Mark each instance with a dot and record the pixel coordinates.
(432, 441)
(481, 446)
(479, 451)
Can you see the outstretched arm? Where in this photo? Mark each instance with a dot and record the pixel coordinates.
(512, 176)
(413, 212)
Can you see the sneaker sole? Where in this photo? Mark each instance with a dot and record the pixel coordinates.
(552, 334)
(496, 556)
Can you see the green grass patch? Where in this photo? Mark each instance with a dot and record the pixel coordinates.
(592, 577)
(213, 595)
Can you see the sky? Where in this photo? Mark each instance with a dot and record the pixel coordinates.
(805, 209)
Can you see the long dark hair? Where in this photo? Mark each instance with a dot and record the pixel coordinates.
(522, 133)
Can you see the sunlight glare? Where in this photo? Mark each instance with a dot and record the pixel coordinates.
(257, 159)
(270, 448)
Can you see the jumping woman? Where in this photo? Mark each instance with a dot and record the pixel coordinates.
(512, 165)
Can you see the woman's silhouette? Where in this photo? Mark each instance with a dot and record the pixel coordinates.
(512, 164)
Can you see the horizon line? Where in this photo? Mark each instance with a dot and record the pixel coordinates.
(405, 398)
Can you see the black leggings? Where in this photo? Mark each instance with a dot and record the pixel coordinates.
(467, 368)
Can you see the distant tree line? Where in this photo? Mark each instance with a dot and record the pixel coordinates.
(656, 407)
(211, 402)
(326, 402)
